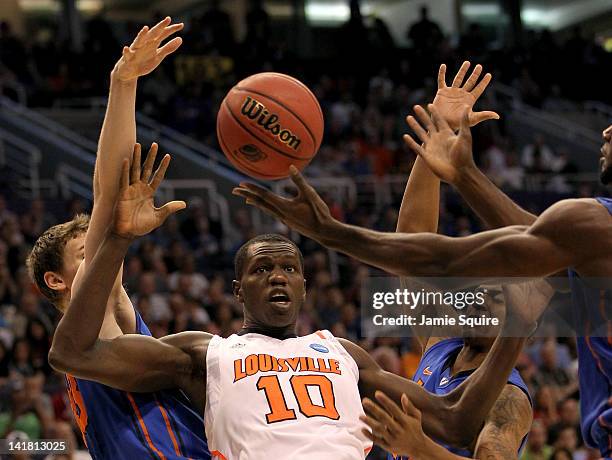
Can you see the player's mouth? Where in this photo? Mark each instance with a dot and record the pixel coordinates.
(279, 298)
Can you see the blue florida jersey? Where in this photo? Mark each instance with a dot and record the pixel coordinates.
(121, 425)
(593, 315)
(434, 374)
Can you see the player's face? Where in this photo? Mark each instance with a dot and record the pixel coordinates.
(74, 254)
(272, 287)
(606, 157)
(494, 306)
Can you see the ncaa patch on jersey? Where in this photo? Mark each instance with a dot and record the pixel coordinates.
(320, 348)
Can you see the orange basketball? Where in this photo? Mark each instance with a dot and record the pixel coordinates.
(268, 122)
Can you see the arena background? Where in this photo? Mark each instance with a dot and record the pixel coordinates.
(368, 63)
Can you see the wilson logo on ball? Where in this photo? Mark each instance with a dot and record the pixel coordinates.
(255, 110)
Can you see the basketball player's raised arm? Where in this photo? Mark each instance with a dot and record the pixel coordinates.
(118, 134)
(567, 234)
(129, 362)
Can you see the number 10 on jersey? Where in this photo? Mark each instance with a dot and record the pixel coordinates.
(280, 412)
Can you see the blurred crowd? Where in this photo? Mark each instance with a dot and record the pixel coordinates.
(179, 278)
(364, 105)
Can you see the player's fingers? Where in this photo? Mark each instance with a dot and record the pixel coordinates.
(127, 55)
(258, 201)
(477, 92)
(304, 188)
(158, 28)
(442, 76)
(424, 118)
(140, 38)
(461, 74)
(258, 198)
(169, 47)
(264, 193)
(374, 424)
(125, 175)
(380, 414)
(392, 408)
(409, 408)
(379, 441)
(479, 117)
(147, 168)
(160, 173)
(417, 128)
(414, 145)
(438, 119)
(464, 126)
(171, 29)
(135, 170)
(471, 82)
(168, 209)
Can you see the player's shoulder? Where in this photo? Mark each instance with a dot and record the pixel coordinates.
(577, 217)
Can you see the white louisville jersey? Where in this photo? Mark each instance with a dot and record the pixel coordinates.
(295, 399)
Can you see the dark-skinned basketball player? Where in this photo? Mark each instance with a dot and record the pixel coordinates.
(573, 234)
(451, 354)
(264, 391)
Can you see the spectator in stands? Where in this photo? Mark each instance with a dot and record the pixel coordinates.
(424, 34)
(536, 448)
(538, 157)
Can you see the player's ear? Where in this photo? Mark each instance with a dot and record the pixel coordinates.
(304, 296)
(54, 281)
(237, 291)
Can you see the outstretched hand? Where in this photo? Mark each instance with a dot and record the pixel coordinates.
(450, 101)
(307, 212)
(135, 211)
(145, 53)
(397, 430)
(447, 154)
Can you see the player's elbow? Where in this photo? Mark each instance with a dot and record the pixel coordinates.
(63, 356)
(58, 359)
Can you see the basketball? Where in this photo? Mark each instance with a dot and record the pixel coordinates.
(268, 122)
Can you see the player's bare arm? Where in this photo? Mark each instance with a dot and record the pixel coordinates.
(130, 362)
(506, 426)
(118, 134)
(570, 233)
(400, 430)
(419, 210)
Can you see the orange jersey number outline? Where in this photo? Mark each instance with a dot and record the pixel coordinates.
(279, 411)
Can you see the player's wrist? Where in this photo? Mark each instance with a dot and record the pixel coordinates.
(119, 80)
(467, 176)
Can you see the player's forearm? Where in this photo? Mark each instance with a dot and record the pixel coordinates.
(492, 205)
(118, 134)
(481, 256)
(79, 328)
(420, 206)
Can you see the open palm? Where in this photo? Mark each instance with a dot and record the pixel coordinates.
(447, 154)
(135, 212)
(451, 101)
(145, 53)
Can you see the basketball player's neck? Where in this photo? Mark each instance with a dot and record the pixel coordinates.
(280, 333)
(470, 357)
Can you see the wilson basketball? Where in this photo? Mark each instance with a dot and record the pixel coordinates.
(268, 122)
